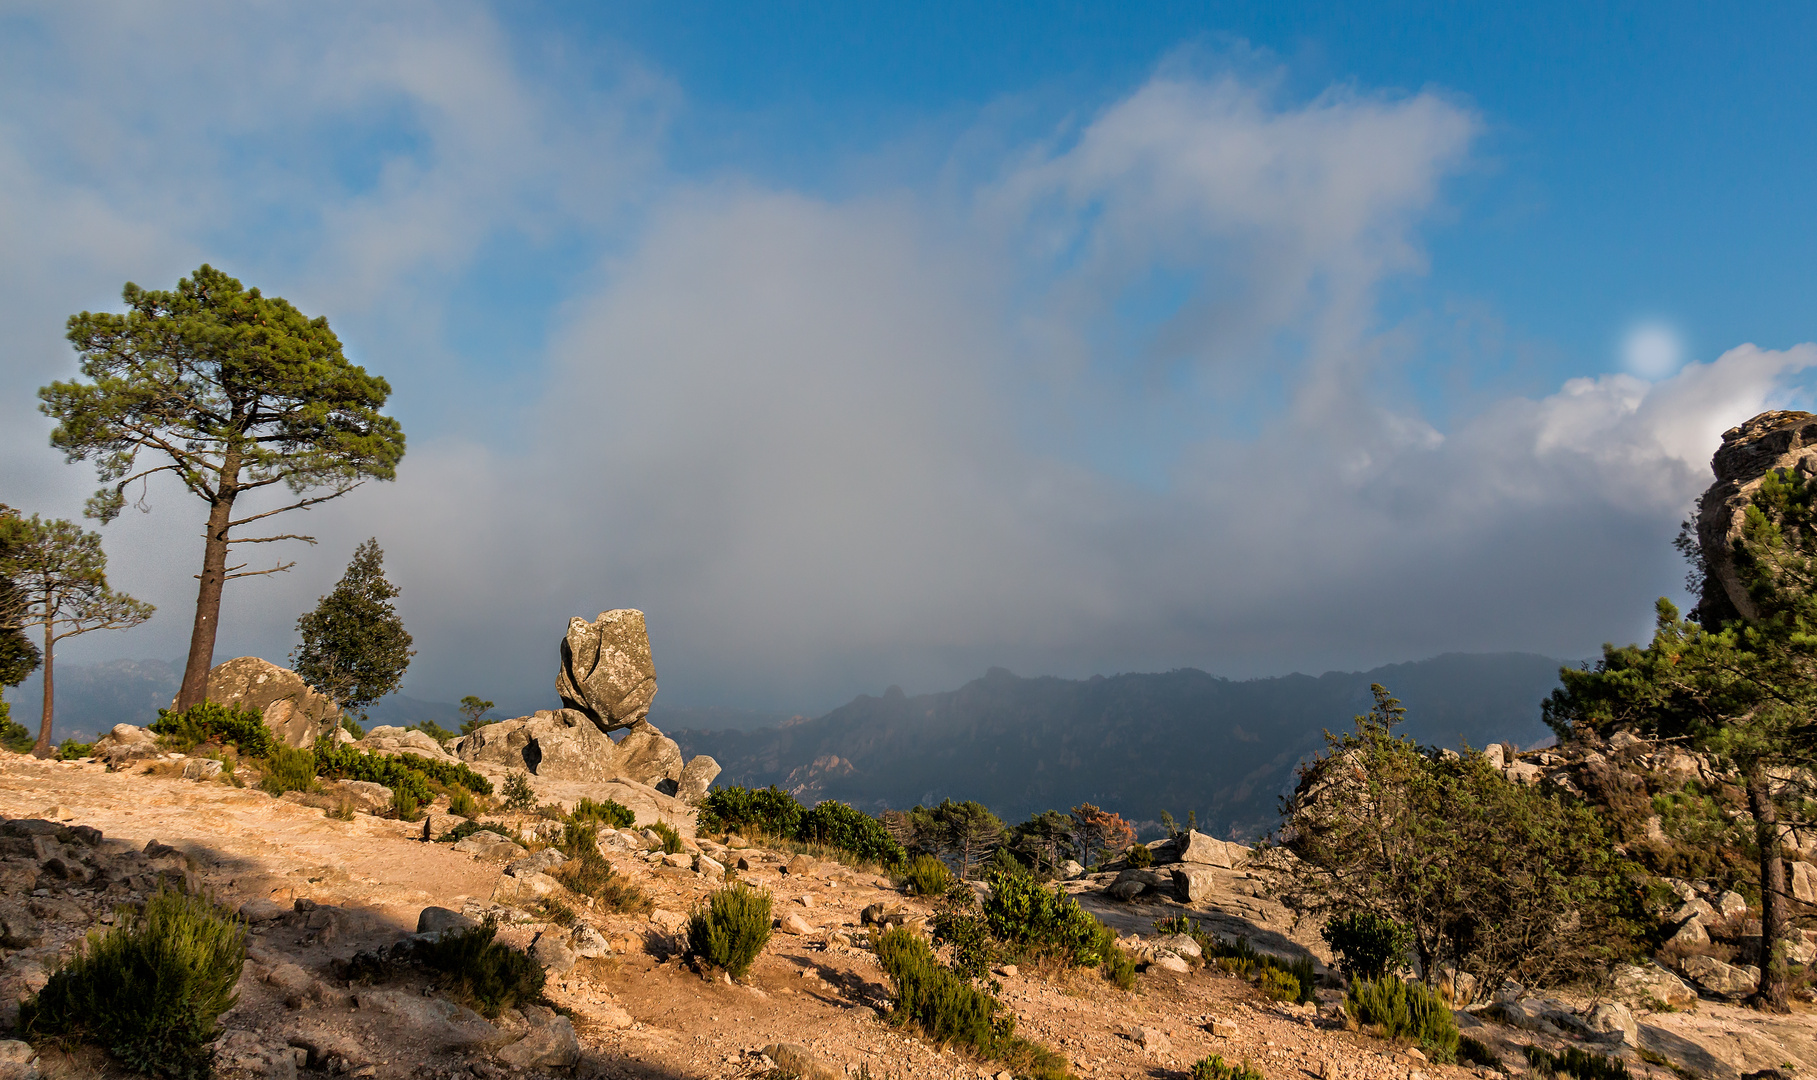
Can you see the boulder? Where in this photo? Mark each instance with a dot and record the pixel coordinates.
(125, 743)
(1732, 905)
(556, 744)
(1196, 847)
(1645, 984)
(550, 1045)
(362, 794)
(201, 768)
(553, 953)
(1691, 934)
(1614, 1018)
(648, 756)
(606, 669)
(1727, 980)
(1179, 944)
(1764, 444)
(696, 777)
(437, 1022)
(1125, 890)
(387, 739)
(1194, 885)
(1803, 881)
(295, 713)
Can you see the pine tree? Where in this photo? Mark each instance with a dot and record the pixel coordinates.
(354, 646)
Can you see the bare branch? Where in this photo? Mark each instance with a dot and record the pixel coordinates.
(303, 504)
(280, 568)
(270, 539)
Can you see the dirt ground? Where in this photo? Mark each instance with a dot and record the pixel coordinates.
(644, 1012)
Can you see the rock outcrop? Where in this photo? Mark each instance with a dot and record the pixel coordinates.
(1769, 442)
(560, 744)
(606, 670)
(295, 713)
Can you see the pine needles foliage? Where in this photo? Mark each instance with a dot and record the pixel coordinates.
(150, 990)
(1404, 1010)
(213, 722)
(731, 928)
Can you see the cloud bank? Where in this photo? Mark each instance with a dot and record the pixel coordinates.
(1126, 397)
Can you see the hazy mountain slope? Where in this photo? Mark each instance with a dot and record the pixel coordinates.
(1139, 744)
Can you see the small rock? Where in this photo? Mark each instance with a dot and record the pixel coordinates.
(1153, 1040)
(433, 919)
(1224, 1029)
(1167, 961)
(799, 866)
(795, 924)
(551, 1045)
(793, 1060)
(1125, 890)
(680, 859)
(1731, 905)
(1008, 971)
(588, 943)
(258, 910)
(709, 866)
(201, 769)
(553, 954)
(436, 1021)
(806, 900)
(540, 863)
(1728, 980)
(57, 812)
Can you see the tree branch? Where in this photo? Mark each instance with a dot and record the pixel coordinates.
(303, 504)
(271, 539)
(280, 568)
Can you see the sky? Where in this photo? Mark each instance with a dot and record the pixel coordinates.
(863, 345)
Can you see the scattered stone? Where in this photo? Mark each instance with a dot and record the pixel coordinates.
(680, 859)
(550, 1045)
(795, 924)
(793, 1060)
(1167, 961)
(799, 866)
(709, 866)
(588, 943)
(1153, 1040)
(489, 845)
(1691, 934)
(1224, 1029)
(432, 920)
(1179, 944)
(1803, 881)
(363, 795)
(1125, 890)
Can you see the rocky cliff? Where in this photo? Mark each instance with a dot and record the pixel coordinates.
(1749, 452)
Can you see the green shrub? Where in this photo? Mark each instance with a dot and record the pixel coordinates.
(469, 827)
(1576, 1063)
(150, 990)
(959, 922)
(837, 825)
(16, 736)
(1213, 1068)
(1307, 976)
(483, 972)
(352, 727)
(434, 730)
(948, 1008)
(1475, 1052)
(770, 810)
(1140, 857)
(1368, 945)
(519, 797)
(927, 876)
(71, 750)
(1118, 966)
(406, 773)
(288, 769)
(1407, 1010)
(447, 773)
(404, 805)
(212, 721)
(342, 810)
(589, 874)
(462, 804)
(1023, 913)
(611, 814)
(731, 928)
(1277, 985)
(671, 840)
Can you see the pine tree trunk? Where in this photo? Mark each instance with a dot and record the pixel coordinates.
(208, 603)
(1774, 976)
(42, 749)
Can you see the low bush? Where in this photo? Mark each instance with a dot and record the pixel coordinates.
(1214, 1068)
(589, 874)
(1034, 919)
(16, 736)
(609, 813)
(1475, 1052)
(213, 722)
(446, 773)
(1404, 1010)
(434, 730)
(287, 768)
(404, 805)
(731, 928)
(671, 840)
(553, 910)
(774, 813)
(1140, 857)
(770, 810)
(1277, 985)
(1119, 967)
(1368, 945)
(342, 810)
(482, 971)
(71, 750)
(1241, 959)
(461, 803)
(519, 797)
(1575, 1063)
(149, 991)
(352, 727)
(837, 825)
(927, 876)
(952, 1011)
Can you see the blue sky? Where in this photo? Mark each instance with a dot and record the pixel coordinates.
(864, 345)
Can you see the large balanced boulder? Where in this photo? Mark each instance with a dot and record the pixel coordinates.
(606, 670)
(1765, 444)
(294, 712)
(1196, 847)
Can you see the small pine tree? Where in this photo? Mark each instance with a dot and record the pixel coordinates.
(354, 646)
(473, 707)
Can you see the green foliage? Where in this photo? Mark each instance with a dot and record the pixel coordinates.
(1368, 944)
(837, 825)
(352, 727)
(1404, 1010)
(213, 722)
(609, 813)
(1119, 967)
(483, 972)
(671, 840)
(927, 876)
(962, 833)
(1140, 857)
(1214, 1068)
(1576, 1063)
(71, 750)
(149, 990)
(1306, 977)
(1032, 918)
(1044, 841)
(519, 797)
(769, 811)
(18, 656)
(337, 761)
(462, 804)
(473, 708)
(553, 910)
(731, 928)
(354, 647)
(959, 922)
(1475, 867)
(447, 773)
(1475, 1052)
(15, 736)
(404, 805)
(288, 769)
(588, 873)
(944, 1005)
(1278, 985)
(434, 730)
(468, 828)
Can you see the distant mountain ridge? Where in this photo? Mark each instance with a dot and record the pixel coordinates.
(1138, 744)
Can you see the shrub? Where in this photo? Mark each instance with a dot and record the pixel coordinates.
(927, 876)
(1119, 967)
(519, 798)
(837, 825)
(553, 910)
(588, 873)
(244, 728)
(1576, 1063)
(1213, 1068)
(434, 730)
(462, 804)
(1022, 912)
(1404, 1010)
(731, 928)
(352, 727)
(404, 805)
(71, 750)
(1277, 985)
(948, 1008)
(671, 840)
(1475, 1052)
(469, 827)
(767, 810)
(16, 736)
(408, 773)
(446, 773)
(342, 810)
(482, 971)
(609, 813)
(1139, 856)
(1368, 945)
(150, 990)
(1303, 972)
(959, 922)
(288, 769)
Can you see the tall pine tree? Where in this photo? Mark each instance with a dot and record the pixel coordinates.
(354, 646)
